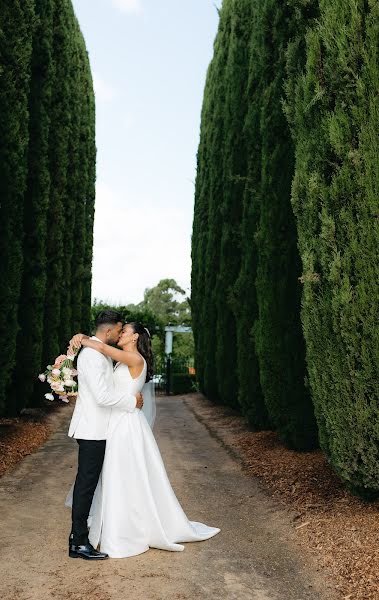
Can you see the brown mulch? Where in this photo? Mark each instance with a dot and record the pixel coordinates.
(20, 436)
(341, 530)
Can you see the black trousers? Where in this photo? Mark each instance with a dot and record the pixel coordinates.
(90, 462)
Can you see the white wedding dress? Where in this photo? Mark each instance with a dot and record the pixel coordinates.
(135, 507)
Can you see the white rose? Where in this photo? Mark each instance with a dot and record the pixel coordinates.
(56, 372)
(66, 371)
(49, 396)
(69, 382)
(42, 377)
(57, 386)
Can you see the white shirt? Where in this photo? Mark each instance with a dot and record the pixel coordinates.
(96, 396)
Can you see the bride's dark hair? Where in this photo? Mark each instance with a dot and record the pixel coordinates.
(144, 347)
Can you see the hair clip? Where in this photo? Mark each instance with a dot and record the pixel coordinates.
(148, 332)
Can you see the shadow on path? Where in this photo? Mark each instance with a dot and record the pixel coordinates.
(253, 557)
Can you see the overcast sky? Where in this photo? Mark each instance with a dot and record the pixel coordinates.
(149, 60)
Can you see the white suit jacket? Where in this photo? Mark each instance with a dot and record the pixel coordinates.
(96, 396)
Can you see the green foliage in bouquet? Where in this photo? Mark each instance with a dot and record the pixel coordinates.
(333, 109)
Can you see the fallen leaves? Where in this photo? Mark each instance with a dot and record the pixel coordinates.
(20, 437)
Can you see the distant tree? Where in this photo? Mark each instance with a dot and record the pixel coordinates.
(162, 301)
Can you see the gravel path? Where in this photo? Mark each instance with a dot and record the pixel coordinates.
(255, 556)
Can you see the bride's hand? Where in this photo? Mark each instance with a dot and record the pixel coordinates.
(139, 397)
(76, 341)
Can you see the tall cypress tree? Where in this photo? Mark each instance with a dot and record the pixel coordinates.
(58, 164)
(36, 201)
(199, 242)
(333, 108)
(79, 246)
(47, 162)
(16, 32)
(278, 332)
(72, 191)
(90, 193)
(209, 191)
(233, 175)
(245, 304)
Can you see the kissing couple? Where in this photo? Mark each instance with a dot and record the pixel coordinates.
(122, 500)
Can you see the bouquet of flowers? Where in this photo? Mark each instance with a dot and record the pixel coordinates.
(60, 376)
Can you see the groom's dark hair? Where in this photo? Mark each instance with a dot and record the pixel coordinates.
(108, 317)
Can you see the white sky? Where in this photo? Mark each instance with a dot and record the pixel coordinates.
(149, 60)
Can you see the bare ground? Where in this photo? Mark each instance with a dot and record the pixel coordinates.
(340, 530)
(256, 555)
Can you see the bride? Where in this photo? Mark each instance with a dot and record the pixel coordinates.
(134, 506)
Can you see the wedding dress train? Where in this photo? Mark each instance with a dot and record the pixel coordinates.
(135, 507)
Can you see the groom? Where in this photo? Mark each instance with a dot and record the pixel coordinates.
(89, 426)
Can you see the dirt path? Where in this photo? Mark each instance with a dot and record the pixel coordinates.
(254, 556)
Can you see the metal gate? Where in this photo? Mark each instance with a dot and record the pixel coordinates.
(174, 376)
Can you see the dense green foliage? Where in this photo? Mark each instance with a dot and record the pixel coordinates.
(233, 168)
(17, 22)
(279, 339)
(47, 164)
(208, 217)
(333, 108)
(286, 225)
(183, 383)
(260, 353)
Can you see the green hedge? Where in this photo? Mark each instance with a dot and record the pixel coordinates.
(17, 23)
(35, 206)
(247, 326)
(278, 333)
(233, 169)
(208, 218)
(183, 383)
(333, 109)
(47, 163)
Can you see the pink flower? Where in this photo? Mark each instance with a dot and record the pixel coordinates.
(56, 372)
(64, 399)
(59, 360)
(42, 377)
(57, 386)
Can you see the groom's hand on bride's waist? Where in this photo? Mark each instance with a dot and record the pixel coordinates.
(139, 400)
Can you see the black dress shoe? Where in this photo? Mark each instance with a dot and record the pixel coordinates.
(86, 551)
